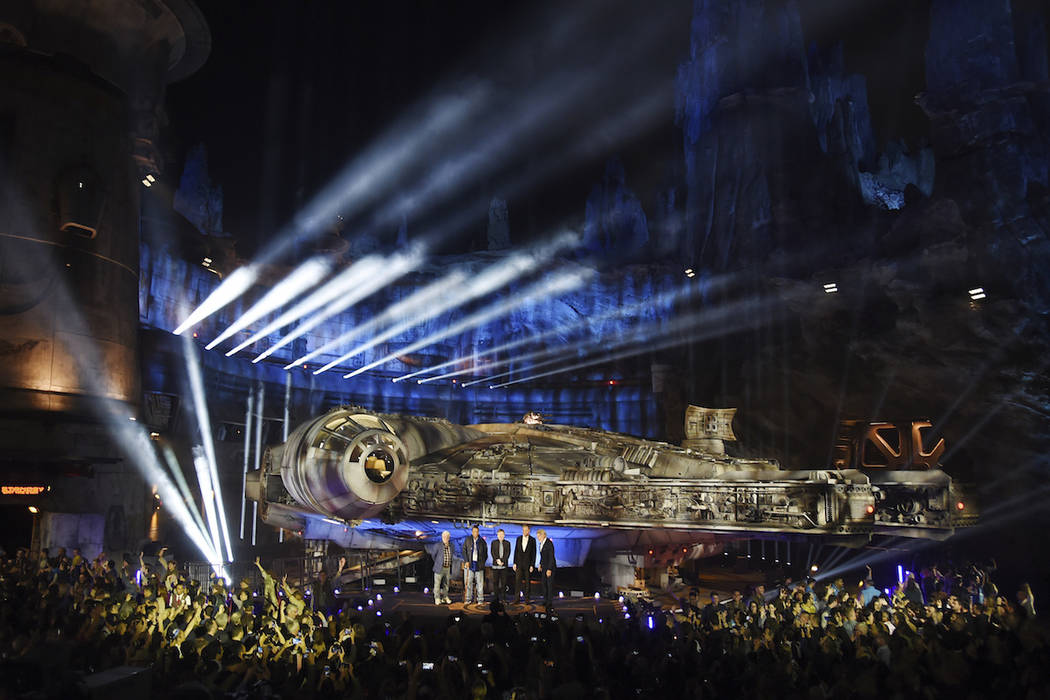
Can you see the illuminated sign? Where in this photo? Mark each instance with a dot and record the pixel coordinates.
(22, 490)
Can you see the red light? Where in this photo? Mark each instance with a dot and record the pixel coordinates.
(650, 551)
(684, 550)
(960, 505)
(870, 509)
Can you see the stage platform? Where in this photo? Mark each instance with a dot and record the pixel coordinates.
(421, 605)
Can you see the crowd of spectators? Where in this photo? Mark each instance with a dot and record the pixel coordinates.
(63, 618)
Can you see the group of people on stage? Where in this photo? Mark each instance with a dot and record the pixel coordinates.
(518, 562)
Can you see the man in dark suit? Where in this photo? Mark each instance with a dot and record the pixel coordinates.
(475, 554)
(500, 564)
(524, 563)
(547, 567)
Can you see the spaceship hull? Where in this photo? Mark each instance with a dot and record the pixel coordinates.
(402, 478)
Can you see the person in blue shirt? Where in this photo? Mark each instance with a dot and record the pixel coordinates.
(868, 592)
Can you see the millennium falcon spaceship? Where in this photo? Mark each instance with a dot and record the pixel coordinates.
(373, 480)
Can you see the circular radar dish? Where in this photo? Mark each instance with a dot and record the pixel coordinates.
(375, 465)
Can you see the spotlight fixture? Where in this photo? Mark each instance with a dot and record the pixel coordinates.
(34, 510)
(151, 178)
(814, 568)
(960, 506)
(146, 183)
(690, 272)
(831, 288)
(977, 293)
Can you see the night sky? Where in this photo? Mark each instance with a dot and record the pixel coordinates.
(293, 91)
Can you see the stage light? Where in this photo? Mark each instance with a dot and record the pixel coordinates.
(302, 278)
(147, 183)
(228, 290)
(815, 568)
(34, 510)
(977, 293)
(376, 274)
(477, 135)
(200, 464)
(366, 177)
(333, 289)
(663, 303)
(960, 505)
(869, 509)
(560, 283)
(445, 296)
(721, 317)
(831, 288)
(725, 320)
(212, 495)
(148, 177)
(423, 298)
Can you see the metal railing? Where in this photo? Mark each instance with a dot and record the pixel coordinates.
(360, 570)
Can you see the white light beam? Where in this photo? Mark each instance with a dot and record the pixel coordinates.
(559, 284)
(491, 279)
(302, 278)
(368, 280)
(200, 404)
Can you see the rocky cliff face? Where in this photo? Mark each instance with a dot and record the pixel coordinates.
(788, 190)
